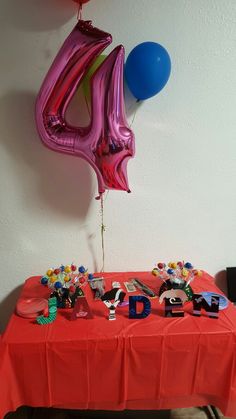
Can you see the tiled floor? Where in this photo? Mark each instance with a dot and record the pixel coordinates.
(40, 413)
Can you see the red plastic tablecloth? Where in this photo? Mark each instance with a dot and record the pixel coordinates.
(153, 363)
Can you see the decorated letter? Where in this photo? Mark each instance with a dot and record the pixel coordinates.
(200, 303)
(52, 309)
(111, 299)
(81, 308)
(133, 300)
(107, 143)
(173, 306)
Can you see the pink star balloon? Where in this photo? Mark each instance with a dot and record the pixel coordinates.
(107, 143)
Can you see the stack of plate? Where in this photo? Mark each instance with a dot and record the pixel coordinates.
(30, 308)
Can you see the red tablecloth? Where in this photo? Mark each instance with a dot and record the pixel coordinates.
(153, 363)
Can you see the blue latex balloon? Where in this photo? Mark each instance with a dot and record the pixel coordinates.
(147, 69)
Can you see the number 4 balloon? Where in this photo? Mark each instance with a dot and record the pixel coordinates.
(107, 143)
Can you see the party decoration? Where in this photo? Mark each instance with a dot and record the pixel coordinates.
(111, 299)
(130, 287)
(30, 308)
(117, 284)
(223, 301)
(173, 294)
(147, 69)
(144, 288)
(52, 310)
(199, 303)
(107, 143)
(133, 300)
(176, 275)
(81, 308)
(97, 285)
(173, 306)
(65, 282)
(87, 79)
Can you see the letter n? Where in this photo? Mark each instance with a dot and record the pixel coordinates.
(200, 303)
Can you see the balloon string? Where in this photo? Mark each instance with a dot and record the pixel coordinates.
(102, 233)
(134, 116)
(79, 14)
(135, 111)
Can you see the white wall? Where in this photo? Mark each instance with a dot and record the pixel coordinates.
(183, 201)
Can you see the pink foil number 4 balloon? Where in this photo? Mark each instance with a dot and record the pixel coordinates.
(107, 143)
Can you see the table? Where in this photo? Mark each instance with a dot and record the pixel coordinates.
(151, 363)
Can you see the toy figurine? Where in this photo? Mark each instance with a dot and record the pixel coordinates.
(174, 294)
(111, 299)
(97, 285)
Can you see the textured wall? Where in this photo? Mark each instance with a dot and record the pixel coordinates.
(183, 200)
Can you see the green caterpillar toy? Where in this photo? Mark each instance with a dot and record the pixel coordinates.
(52, 308)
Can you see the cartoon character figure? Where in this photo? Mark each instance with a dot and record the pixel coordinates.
(173, 294)
(111, 299)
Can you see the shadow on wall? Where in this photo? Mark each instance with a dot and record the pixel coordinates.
(221, 282)
(45, 179)
(7, 306)
(48, 15)
(38, 15)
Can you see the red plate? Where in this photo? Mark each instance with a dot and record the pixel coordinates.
(30, 308)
